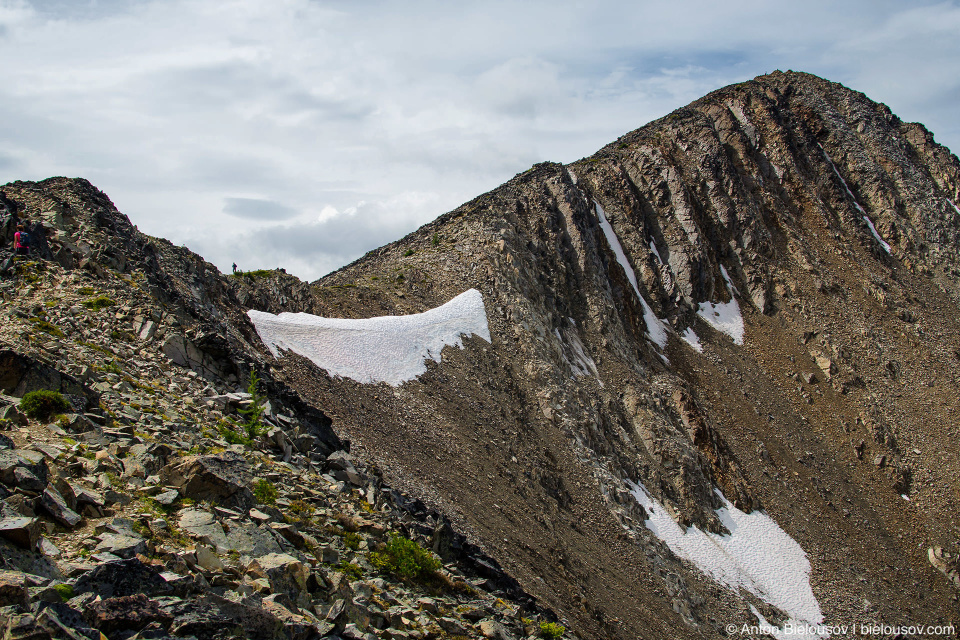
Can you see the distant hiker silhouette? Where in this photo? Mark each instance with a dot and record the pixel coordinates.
(234, 267)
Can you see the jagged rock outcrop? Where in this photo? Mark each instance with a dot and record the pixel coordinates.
(743, 312)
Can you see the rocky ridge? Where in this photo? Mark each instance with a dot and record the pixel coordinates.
(145, 511)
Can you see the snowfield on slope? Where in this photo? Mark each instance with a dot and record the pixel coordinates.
(391, 349)
(724, 316)
(757, 555)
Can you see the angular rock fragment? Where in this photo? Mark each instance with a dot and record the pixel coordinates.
(21, 531)
(54, 504)
(222, 480)
(121, 578)
(14, 589)
(125, 613)
(285, 573)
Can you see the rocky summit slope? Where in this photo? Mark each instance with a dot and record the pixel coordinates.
(720, 389)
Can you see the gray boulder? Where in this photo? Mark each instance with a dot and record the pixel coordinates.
(221, 479)
(121, 578)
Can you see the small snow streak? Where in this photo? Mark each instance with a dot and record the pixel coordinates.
(866, 218)
(391, 349)
(954, 206)
(692, 339)
(655, 328)
(653, 250)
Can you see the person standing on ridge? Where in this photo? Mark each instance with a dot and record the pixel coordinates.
(21, 241)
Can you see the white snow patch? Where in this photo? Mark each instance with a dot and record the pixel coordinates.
(575, 354)
(692, 339)
(757, 555)
(873, 230)
(573, 176)
(724, 316)
(655, 328)
(954, 206)
(866, 218)
(391, 349)
(653, 249)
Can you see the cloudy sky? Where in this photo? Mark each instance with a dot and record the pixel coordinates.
(302, 133)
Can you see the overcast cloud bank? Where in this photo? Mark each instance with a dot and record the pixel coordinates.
(302, 134)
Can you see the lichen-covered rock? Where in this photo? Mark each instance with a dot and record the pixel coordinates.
(23, 532)
(121, 578)
(125, 613)
(286, 574)
(222, 479)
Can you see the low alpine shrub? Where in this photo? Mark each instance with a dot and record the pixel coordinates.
(552, 630)
(98, 303)
(42, 404)
(406, 560)
(265, 492)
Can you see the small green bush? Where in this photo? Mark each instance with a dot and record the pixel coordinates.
(255, 274)
(47, 327)
(351, 540)
(435, 240)
(408, 253)
(98, 303)
(42, 404)
(301, 508)
(351, 569)
(406, 560)
(65, 591)
(552, 630)
(86, 291)
(254, 413)
(226, 431)
(265, 492)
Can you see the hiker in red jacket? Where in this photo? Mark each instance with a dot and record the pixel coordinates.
(21, 241)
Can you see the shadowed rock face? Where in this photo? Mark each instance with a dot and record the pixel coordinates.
(814, 215)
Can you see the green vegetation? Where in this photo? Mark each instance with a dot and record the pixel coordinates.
(406, 560)
(301, 508)
(351, 540)
(111, 367)
(98, 303)
(253, 428)
(435, 240)
(254, 413)
(42, 404)
(117, 334)
(408, 253)
(150, 505)
(86, 291)
(47, 327)
(65, 591)
(227, 432)
(351, 569)
(96, 347)
(552, 630)
(253, 275)
(265, 492)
